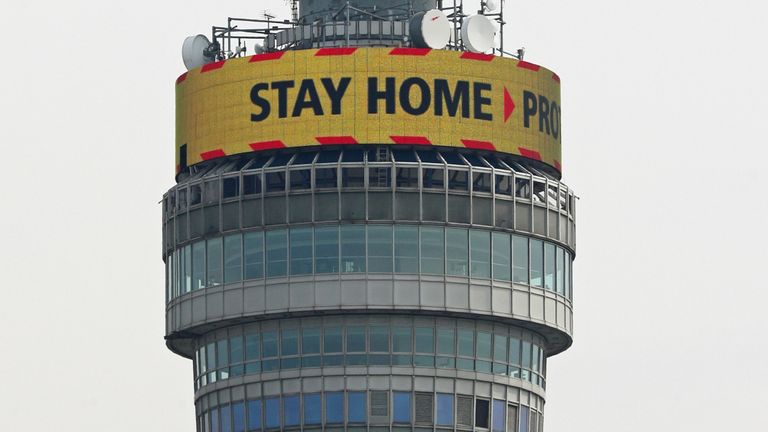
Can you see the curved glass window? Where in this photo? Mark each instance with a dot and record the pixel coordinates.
(373, 248)
(256, 350)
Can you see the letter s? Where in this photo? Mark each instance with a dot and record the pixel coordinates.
(260, 102)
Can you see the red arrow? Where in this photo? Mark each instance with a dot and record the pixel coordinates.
(509, 105)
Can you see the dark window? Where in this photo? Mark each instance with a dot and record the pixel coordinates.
(433, 178)
(481, 413)
(481, 182)
(522, 188)
(458, 180)
(352, 155)
(504, 185)
(407, 177)
(378, 177)
(325, 178)
(301, 179)
(231, 187)
(195, 195)
(276, 181)
(352, 177)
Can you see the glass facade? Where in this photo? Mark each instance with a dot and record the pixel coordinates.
(371, 248)
(307, 344)
(408, 410)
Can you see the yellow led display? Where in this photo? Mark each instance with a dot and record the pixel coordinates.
(368, 96)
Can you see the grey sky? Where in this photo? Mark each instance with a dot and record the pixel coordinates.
(664, 112)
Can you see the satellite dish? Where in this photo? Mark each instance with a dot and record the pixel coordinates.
(193, 51)
(259, 48)
(430, 29)
(477, 33)
(491, 5)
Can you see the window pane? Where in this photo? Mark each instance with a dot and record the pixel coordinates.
(301, 251)
(501, 258)
(500, 348)
(406, 249)
(520, 256)
(327, 249)
(444, 409)
(401, 407)
(458, 180)
(352, 177)
(253, 243)
(238, 417)
(310, 341)
(480, 242)
(511, 418)
(352, 248)
(289, 345)
(445, 341)
(215, 420)
(481, 413)
(356, 405)
(537, 262)
(252, 346)
(484, 345)
(334, 407)
(332, 340)
(301, 179)
(254, 415)
(198, 265)
(187, 269)
(560, 271)
(549, 266)
(291, 410)
(433, 178)
(526, 359)
(380, 248)
(356, 339)
(432, 250)
(499, 419)
(466, 343)
(272, 413)
(312, 409)
(567, 276)
(277, 253)
(425, 340)
(222, 355)
(236, 349)
(215, 276)
(523, 418)
(233, 255)
(514, 351)
(379, 339)
(457, 251)
(226, 418)
(401, 339)
(269, 344)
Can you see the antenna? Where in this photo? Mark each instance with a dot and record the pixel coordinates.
(477, 33)
(195, 51)
(430, 29)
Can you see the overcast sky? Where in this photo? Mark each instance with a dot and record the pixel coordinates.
(664, 114)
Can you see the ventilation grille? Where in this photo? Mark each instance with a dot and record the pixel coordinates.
(464, 411)
(424, 408)
(379, 404)
(512, 418)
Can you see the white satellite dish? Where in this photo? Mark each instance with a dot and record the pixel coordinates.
(430, 29)
(478, 33)
(259, 49)
(491, 5)
(192, 51)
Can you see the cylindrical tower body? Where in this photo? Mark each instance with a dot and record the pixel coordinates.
(369, 239)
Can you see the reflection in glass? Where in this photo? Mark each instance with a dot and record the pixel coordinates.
(215, 276)
(327, 249)
(352, 248)
(277, 253)
(253, 243)
(457, 251)
(537, 262)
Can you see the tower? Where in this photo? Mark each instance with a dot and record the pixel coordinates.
(368, 229)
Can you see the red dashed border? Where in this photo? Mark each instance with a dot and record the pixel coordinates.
(478, 145)
(212, 66)
(267, 56)
(341, 51)
(477, 56)
(415, 140)
(530, 154)
(181, 78)
(213, 154)
(331, 140)
(409, 51)
(530, 66)
(267, 145)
